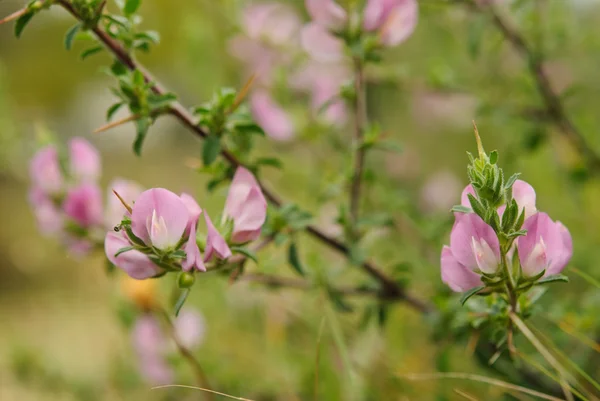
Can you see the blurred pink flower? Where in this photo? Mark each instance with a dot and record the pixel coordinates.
(440, 191)
(49, 217)
(190, 328)
(85, 160)
(327, 13)
(270, 116)
(320, 44)
(246, 206)
(45, 171)
(546, 246)
(273, 23)
(133, 262)
(83, 204)
(129, 191)
(395, 20)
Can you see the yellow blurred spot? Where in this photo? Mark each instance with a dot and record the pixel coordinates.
(140, 292)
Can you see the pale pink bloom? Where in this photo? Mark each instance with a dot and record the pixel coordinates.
(49, 217)
(395, 20)
(455, 275)
(149, 343)
(327, 13)
(547, 246)
(83, 204)
(190, 328)
(246, 206)
(159, 218)
(258, 58)
(193, 208)
(320, 44)
(273, 23)
(270, 116)
(129, 191)
(464, 197)
(474, 244)
(134, 263)
(85, 160)
(440, 191)
(193, 256)
(523, 193)
(45, 171)
(216, 246)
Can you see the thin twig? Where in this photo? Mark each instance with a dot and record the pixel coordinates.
(392, 290)
(317, 357)
(360, 121)
(202, 389)
(465, 395)
(478, 378)
(555, 109)
(185, 353)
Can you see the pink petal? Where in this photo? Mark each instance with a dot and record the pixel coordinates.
(84, 205)
(246, 205)
(455, 275)
(326, 13)
(524, 195)
(273, 22)
(45, 171)
(161, 214)
(565, 252)
(134, 263)
(467, 228)
(373, 15)
(193, 208)
(271, 117)
(48, 216)
(149, 343)
(115, 211)
(399, 23)
(215, 244)
(464, 198)
(190, 328)
(194, 257)
(320, 44)
(85, 160)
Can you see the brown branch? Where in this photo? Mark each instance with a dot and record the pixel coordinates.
(390, 288)
(555, 110)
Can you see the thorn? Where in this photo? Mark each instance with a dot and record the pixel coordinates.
(114, 124)
(14, 15)
(125, 204)
(242, 93)
(193, 163)
(478, 140)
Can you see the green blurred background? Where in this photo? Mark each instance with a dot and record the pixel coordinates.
(62, 331)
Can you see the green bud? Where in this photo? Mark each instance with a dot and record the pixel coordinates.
(186, 280)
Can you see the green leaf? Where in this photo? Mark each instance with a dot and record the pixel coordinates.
(181, 300)
(118, 69)
(131, 6)
(151, 36)
(142, 126)
(294, 260)
(389, 146)
(135, 239)
(113, 109)
(244, 251)
(211, 149)
(517, 234)
(161, 101)
(512, 180)
(461, 209)
(22, 22)
(493, 156)
(477, 206)
(553, 279)
(123, 250)
(138, 79)
(470, 293)
(70, 36)
(90, 52)
(269, 161)
(475, 34)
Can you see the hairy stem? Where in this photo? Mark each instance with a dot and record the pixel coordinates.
(360, 121)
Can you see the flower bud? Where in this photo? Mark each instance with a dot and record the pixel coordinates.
(186, 280)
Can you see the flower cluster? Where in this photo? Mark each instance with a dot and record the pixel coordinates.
(65, 196)
(499, 237)
(160, 232)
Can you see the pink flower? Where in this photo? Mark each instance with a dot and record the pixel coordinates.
(149, 341)
(45, 171)
(83, 204)
(216, 246)
(159, 218)
(190, 328)
(85, 160)
(270, 116)
(547, 246)
(133, 262)
(246, 205)
(474, 244)
(524, 195)
(320, 44)
(193, 256)
(271, 22)
(395, 20)
(327, 13)
(455, 275)
(49, 217)
(129, 191)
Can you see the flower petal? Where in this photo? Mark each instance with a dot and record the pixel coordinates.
(320, 44)
(326, 13)
(190, 328)
(399, 23)
(85, 160)
(276, 123)
(468, 228)
(134, 263)
(84, 205)
(45, 171)
(193, 256)
(247, 226)
(524, 195)
(215, 244)
(115, 211)
(455, 275)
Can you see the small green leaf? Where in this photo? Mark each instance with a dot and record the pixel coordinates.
(493, 156)
(131, 6)
(22, 22)
(553, 279)
(112, 110)
(389, 146)
(211, 149)
(133, 238)
(161, 101)
(470, 293)
(461, 209)
(90, 52)
(269, 161)
(517, 234)
(244, 251)
(181, 300)
(512, 180)
(70, 36)
(294, 260)
(118, 69)
(142, 126)
(123, 250)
